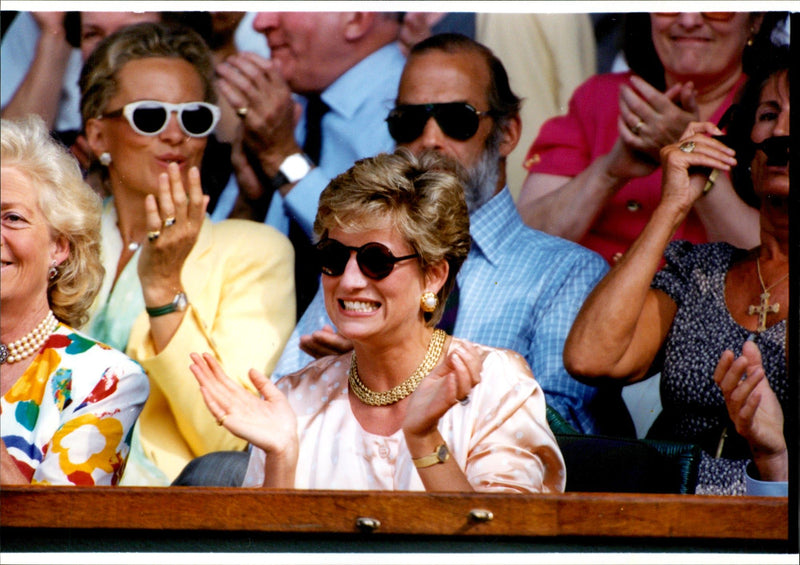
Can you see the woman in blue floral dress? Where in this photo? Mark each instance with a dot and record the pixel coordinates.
(713, 319)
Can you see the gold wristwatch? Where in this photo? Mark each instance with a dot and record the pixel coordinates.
(441, 455)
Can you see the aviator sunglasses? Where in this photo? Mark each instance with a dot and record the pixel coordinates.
(374, 259)
(150, 117)
(458, 120)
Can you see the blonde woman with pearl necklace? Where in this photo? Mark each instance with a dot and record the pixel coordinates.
(68, 402)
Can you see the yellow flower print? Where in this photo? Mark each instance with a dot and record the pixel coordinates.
(31, 386)
(87, 443)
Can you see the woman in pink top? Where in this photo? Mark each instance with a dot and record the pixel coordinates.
(411, 408)
(594, 173)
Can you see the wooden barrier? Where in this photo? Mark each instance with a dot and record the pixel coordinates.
(743, 522)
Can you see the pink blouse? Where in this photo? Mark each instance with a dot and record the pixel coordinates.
(500, 439)
(568, 144)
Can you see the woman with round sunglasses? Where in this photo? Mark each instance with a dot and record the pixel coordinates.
(594, 174)
(175, 282)
(410, 408)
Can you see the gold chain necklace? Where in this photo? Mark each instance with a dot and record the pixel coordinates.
(29, 344)
(405, 388)
(765, 307)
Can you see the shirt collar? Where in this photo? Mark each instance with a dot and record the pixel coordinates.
(360, 78)
(493, 225)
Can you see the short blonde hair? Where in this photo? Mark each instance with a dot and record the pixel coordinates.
(72, 210)
(423, 197)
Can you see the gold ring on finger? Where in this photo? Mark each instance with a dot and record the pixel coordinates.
(153, 235)
(221, 420)
(242, 112)
(635, 130)
(687, 146)
(169, 221)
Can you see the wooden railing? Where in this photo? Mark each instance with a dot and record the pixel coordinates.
(732, 521)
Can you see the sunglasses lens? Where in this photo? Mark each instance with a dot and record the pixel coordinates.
(406, 123)
(197, 119)
(149, 119)
(375, 261)
(332, 257)
(457, 120)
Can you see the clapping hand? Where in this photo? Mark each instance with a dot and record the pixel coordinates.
(450, 382)
(267, 422)
(754, 409)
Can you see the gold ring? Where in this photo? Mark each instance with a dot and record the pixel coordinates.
(153, 235)
(637, 128)
(169, 222)
(242, 112)
(687, 146)
(221, 421)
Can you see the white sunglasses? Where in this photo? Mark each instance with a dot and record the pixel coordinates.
(150, 117)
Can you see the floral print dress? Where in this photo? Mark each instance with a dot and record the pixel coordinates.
(68, 419)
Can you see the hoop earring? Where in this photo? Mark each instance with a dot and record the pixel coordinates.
(428, 301)
(105, 158)
(52, 272)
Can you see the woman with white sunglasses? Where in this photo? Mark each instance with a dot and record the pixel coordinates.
(175, 283)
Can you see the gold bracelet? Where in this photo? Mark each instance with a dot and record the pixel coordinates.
(712, 178)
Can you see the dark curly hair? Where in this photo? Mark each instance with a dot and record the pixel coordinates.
(743, 115)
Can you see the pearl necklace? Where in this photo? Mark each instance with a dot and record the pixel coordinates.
(398, 393)
(29, 344)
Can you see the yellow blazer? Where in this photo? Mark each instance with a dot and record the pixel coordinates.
(239, 279)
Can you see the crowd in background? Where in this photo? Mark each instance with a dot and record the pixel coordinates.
(248, 229)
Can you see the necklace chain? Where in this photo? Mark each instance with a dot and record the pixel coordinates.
(761, 280)
(764, 307)
(29, 344)
(398, 393)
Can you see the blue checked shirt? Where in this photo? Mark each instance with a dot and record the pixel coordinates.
(520, 289)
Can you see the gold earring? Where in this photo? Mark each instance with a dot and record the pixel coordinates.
(428, 301)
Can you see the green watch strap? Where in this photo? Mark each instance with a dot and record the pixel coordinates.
(178, 304)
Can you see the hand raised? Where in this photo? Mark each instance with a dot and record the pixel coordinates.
(268, 422)
(255, 83)
(651, 119)
(174, 220)
(687, 163)
(449, 382)
(752, 405)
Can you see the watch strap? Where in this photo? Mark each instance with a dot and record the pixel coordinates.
(440, 455)
(278, 181)
(178, 304)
